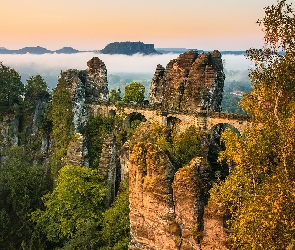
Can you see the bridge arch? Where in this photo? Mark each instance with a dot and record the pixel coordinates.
(112, 113)
(236, 121)
(173, 122)
(132, 117)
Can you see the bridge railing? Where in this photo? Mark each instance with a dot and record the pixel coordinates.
(166, 112)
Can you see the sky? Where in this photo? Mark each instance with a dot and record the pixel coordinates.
(92, 24)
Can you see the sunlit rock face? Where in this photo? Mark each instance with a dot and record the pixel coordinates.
(190, 82)
(152, 216)
(167, 201)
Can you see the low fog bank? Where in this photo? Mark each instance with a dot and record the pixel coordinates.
(122, 69)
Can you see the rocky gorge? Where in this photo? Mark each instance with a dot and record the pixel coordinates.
(168, 198)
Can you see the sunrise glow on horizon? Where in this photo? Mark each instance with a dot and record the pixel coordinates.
(89, 25)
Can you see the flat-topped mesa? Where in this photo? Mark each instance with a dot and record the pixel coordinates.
(193, 81)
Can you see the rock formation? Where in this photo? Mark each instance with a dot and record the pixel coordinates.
(167, 202)
(9, 129)
(87, 87)
(108, 167)
(189, 194)
(191, 82)
(214, 234)
(152, 216)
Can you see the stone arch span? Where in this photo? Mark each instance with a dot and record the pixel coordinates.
(131, 117)
(173, 122)
(236, 121)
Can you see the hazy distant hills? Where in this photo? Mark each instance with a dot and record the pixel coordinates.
(39, 50)
(124, 48)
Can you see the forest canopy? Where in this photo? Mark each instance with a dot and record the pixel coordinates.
(259, 195)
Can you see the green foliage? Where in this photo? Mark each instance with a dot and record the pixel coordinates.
(133, 126)
(230, 104)
(115, 96)
(188, 144)
(36, 97)
(85, 238)
(62, 121)
(259, 193)
(77, 200)
(96, 129)
(134, 93)
(21, 188)
(115, 226)
(11, 90)
(36, 88)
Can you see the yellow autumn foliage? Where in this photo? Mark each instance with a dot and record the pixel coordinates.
(259, 195)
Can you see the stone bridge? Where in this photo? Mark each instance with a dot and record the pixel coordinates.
(181, 120)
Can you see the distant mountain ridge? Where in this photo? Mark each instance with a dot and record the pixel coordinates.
(125, 48)
(39, 50)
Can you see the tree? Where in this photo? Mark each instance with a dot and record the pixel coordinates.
(21, 187)
(11, 89)
(36, 88)
(134, 93)
(77, 199)
(97, 128)
(116, 226)
(115, 96)
(188, 144)
(259, 195)
(62, 122)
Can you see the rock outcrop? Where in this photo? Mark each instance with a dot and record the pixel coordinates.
(189, 195)
(86, 87)
(167, 202)
(152, 216)
(191, 82)
(76, 151)
(9, 129)
(108, 166)
(214, 234)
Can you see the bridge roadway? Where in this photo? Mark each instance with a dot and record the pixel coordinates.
(205, 120)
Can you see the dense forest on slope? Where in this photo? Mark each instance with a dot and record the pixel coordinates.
(37, 187)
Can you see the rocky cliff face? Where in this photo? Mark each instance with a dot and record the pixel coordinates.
(167, 203)
(152, 215)
(86, 87)
(191, 82)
